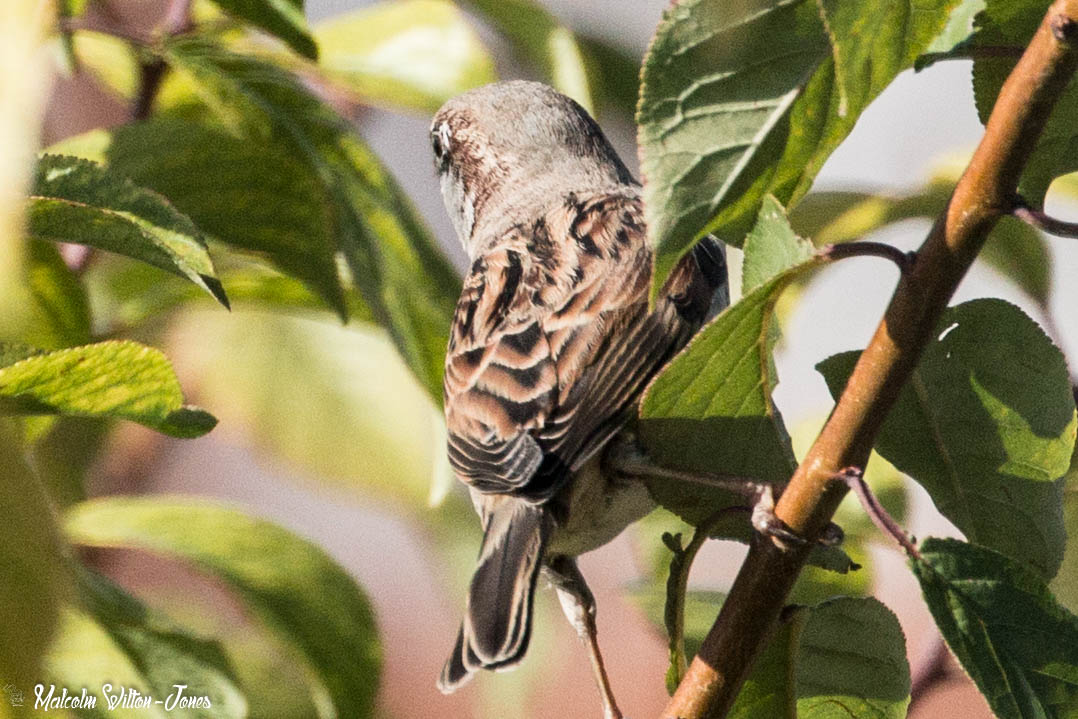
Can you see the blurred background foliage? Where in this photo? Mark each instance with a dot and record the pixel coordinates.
(229, 169)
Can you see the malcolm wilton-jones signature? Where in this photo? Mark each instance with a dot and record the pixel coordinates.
(115, 697)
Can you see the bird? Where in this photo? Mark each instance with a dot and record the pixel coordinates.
(551, 346)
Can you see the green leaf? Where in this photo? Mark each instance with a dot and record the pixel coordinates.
(281, 18)
(843, 658)
(954, 36)
(711, 408)
(247, 193)
(738, 102)
(987, 425)
(875, 40)
(65, 452)
(1016, 643)
(61, 312)
(119, 379)
(74, 200)
(718, 85)
(1065, 583)
(542, 41)
(290, 584)
(1011, 23)
(144, 651)
(375, 225)
(32, 572)
(412, 55)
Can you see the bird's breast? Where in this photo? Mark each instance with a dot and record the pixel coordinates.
(597, 508)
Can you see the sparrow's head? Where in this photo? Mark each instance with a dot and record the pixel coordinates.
(508, 151)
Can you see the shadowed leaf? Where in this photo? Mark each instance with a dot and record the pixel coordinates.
(289, 583)
(74, 200)
(112, 640)
(246, 193)
(281, 18)
(711, 408)
(1016, 643)
(375, 226)
(987, 425)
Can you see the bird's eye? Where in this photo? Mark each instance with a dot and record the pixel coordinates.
(439, 141)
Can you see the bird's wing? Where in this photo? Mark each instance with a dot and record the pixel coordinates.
(552, 343)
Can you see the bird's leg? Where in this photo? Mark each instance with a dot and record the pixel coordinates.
(578, 603)
(627, 458)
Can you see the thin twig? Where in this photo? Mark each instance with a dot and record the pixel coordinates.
(842, 250)
(152, 72)
(1041, 221)
(678, 585)
(854, 478)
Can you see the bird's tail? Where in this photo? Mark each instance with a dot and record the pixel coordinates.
(497, 622)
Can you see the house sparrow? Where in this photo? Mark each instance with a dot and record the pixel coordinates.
(551, 347)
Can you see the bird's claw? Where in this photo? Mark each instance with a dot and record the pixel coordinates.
(767, 523)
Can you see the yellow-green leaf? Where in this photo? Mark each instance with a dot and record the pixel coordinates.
(411, 55)
(119, 379)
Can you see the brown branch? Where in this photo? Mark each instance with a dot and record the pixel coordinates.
(1044, 222)
(152, 72)
(984, 193)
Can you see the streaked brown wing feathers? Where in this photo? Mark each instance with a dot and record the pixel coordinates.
(552, 343)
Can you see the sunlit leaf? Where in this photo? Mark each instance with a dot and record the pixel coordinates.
(1065, 583)
(287, 582)
(23, 67)
(1016, 643)
(119, 379)
(74, 200)
(282, 18)
(544, 42)
(954, 36)
(739, 101)
(987, 425)
(412, 55)
(111, 61)
(334, 401)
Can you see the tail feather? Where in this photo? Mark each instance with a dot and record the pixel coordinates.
(497, 623)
